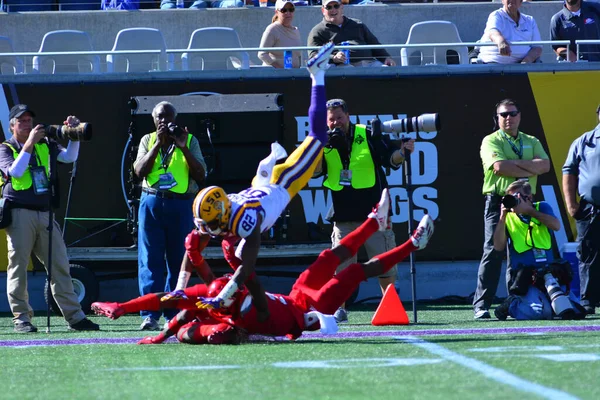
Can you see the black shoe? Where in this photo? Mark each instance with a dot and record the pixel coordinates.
(501, 312)
(84, 325)
(25, 327)
(589, 310)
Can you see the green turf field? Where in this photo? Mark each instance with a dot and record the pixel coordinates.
(446, 355)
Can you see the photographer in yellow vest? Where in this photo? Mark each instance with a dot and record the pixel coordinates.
(353, 166)
(172, 167)
(539, 283)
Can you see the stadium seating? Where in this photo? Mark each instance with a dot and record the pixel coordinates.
(9, 65)
(138, 39)
(66, 41)
(433, 32)
(215, 38)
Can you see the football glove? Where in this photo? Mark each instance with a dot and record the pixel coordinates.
(174, 295)
(210, 303)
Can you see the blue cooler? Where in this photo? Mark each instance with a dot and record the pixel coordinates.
(569, 253)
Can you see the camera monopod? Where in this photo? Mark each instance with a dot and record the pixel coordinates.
(52, 192)
(376, 130)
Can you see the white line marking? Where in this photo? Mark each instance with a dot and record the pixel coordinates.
(183, 368)
(358, 363)
(496, 374)
(569, 357)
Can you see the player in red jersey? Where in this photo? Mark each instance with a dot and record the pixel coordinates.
(316, 294)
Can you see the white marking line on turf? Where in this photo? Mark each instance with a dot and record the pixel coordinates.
(183, 368)
(569, 357)
(496, 374)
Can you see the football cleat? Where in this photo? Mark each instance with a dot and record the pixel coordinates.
(212, 210)
(381, 210)
(110, 310)
(423, 233)
(321, 60)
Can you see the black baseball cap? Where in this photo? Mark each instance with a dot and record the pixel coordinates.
(19, 110)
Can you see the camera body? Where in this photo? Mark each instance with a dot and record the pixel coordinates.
(175, 130)
(79, 133)
(509, 201)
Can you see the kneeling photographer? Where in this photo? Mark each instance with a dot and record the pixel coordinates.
(25, 165)
(539, 283)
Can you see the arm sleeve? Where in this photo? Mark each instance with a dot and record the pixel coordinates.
(69, 154)
(536, 33)
(546, 208)
(18, 168)
(538, 150)
(493, 23)
(491, 152)
(267, 40)
(143, 149)
(314, 40)
(380, 54)
(571, 166)
(555, 30)
(197, 153)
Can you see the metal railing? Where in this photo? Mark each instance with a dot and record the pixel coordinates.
(565, 43)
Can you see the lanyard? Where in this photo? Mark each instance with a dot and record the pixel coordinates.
(163, 158)
(518, 151)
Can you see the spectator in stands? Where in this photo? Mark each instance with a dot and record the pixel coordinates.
(581, 176)
(353, 165)
(505, 26)
(171, 165)
(507, 155)
(577, 20)
(338, 28)
(24, 163)
(281, 33)
(118, 4)
(199, 4)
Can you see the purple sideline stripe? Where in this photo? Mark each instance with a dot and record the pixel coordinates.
(344, 335)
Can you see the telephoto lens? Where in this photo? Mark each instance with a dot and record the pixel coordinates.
(79, 133)
(175, 130)
(509, 201)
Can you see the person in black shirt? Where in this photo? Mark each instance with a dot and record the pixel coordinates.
(353, 163)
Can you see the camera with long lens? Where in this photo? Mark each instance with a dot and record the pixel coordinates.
(336, 138)
(421, 123)
(560, 301)
(175, 130)
(79, 133)
(509, 201)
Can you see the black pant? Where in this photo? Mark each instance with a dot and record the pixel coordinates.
(490, 266)
(588, 236)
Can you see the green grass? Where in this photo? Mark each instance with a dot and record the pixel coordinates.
(389, 367)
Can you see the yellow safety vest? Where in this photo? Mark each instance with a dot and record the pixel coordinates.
(178, 167)
(361, 163)
(525, 235)
(42, 152)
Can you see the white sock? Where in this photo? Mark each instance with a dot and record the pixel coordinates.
(318, 78)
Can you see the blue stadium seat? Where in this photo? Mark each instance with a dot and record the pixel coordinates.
(66, 41)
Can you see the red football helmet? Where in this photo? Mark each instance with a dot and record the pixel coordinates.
(217, 286)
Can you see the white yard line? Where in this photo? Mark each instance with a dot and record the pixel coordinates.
(496, 374)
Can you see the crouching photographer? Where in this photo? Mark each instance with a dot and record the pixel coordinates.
(539, 283)
(25, 166)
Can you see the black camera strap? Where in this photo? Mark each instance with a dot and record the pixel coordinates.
(165, 157)
(518, 151)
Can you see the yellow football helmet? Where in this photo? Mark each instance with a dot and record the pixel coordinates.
(212, 210)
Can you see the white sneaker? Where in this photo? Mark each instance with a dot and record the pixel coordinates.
(321, 60)
(149, 324)
(424, 230)
(381, 210)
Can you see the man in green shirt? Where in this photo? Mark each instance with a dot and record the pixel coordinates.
(506, 155)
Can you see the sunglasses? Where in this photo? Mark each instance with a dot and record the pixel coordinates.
(331, 7)
(507, 113)
(336, 103)
(287, 10)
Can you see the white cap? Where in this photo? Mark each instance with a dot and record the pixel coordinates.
(325, 2)
(281, 3)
